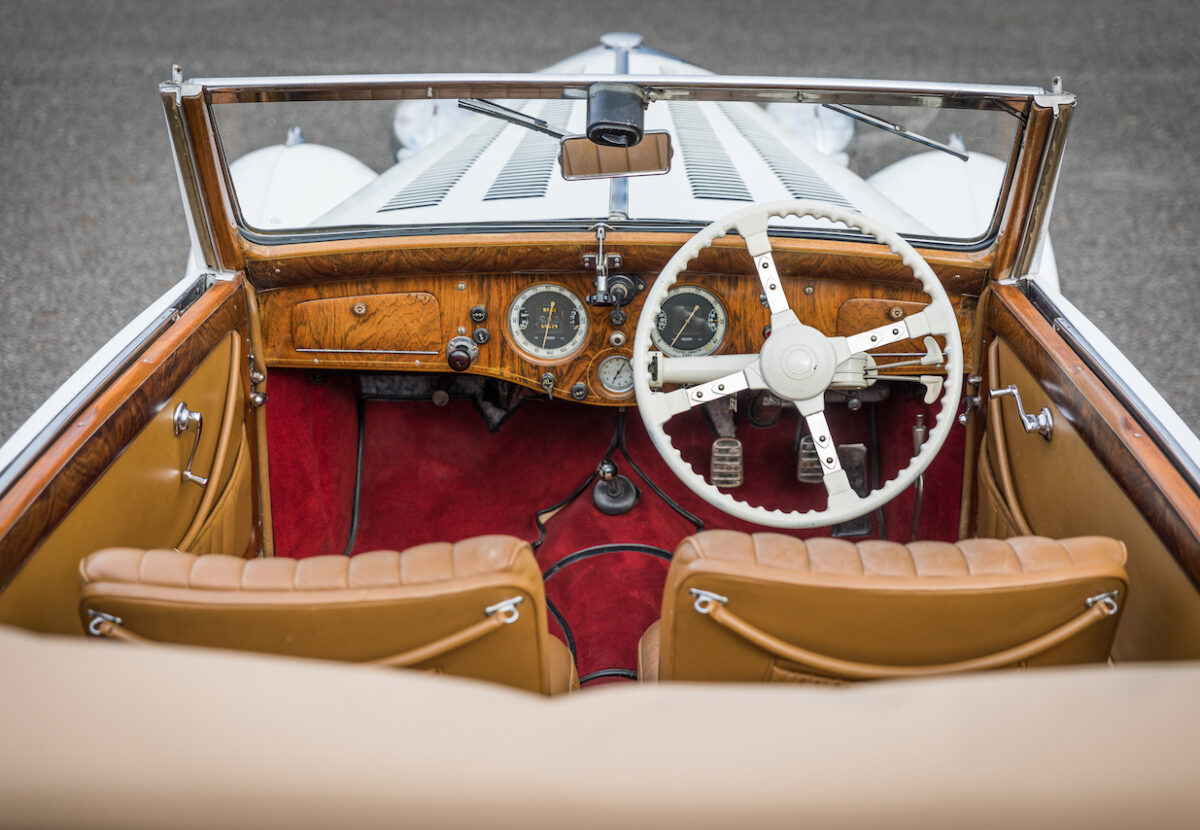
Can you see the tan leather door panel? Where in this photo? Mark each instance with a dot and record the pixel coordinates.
(1063, 487)
(141, 499)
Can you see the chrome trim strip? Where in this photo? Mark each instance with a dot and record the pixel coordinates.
(1047, 183)
(663, 87)
(194, 203)
(365, 351)
(1160, 421)
(45, 424)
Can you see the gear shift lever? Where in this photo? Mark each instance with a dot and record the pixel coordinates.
(614, 493)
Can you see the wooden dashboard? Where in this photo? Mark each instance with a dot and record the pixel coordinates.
(382, 322)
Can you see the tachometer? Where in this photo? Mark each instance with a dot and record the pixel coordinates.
(547, 321)
(692, 322)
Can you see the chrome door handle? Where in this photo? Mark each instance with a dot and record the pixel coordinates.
(183, 419)
(1041, 423)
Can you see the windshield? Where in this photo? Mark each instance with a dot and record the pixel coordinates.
(931, 169)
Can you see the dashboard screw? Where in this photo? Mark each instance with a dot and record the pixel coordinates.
(359, 309)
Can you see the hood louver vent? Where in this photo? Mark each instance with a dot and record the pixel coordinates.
(709, 170)
(432, 185)
(801, 181)
(526, 175)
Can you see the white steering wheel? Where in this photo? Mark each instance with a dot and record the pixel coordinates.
(797, 363)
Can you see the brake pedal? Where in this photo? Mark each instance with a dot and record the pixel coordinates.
(726, 469)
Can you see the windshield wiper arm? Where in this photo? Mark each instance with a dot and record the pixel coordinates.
(493, 110)
(895, 129)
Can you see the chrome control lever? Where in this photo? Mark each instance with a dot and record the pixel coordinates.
(1041, 423)
(183, 418)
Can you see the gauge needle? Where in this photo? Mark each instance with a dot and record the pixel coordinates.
(549, 316)
(695, 308)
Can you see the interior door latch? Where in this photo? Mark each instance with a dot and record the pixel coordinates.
(183, 419)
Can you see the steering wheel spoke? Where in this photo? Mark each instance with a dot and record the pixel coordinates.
(837, 484)
(768, 276)
(723, 387)
(911, 327)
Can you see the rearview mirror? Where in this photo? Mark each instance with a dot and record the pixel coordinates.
(580, 158)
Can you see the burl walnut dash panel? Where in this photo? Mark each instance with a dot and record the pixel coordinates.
(403, 323)
(410, 321)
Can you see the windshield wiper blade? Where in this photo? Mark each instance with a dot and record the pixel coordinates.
(895, 129)
(493, 110)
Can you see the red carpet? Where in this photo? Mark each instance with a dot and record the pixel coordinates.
(436, 473)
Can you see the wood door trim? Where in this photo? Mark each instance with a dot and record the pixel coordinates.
(101, 430)
(1144, 473)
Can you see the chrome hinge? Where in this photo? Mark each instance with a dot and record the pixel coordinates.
(211, 278)
(256, 377)
(972, 401)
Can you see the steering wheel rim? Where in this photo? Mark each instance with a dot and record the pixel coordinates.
(798, 352)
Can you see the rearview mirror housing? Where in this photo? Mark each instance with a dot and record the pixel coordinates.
(581, 158)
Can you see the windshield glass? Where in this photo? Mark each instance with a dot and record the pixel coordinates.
(928, 170)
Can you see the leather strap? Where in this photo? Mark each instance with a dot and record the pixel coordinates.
(442, 645)
(871, 671)
(405, 659)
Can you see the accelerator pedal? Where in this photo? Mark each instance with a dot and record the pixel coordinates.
(854, 461)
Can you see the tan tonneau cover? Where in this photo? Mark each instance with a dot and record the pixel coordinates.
(104, 734)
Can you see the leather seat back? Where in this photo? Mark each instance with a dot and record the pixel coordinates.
(902, 609)
(361, 608)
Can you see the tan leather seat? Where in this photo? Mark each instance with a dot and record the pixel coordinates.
(475, 608)
(771, 607)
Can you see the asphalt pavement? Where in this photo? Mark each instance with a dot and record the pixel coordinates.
(92, 228)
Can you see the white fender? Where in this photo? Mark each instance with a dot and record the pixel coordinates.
(293, 185)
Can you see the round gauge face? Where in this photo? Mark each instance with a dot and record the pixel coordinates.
(691, 322)
(548, 321)
(615, 374)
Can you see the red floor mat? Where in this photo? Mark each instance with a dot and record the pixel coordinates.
(436, 473)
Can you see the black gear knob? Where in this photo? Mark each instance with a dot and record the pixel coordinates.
(607, 470)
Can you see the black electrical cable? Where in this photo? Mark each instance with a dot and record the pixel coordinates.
(596, 675)
(579, 556)
(620, 441)
(601, 550)
(353, 535)
(566, 629)
(554, 508)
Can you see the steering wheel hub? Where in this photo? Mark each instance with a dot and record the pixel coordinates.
(797, 363)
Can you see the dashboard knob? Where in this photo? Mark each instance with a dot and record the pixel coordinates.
(461, 353)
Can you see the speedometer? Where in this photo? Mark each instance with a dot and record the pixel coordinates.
(692, 322)
(547, 321)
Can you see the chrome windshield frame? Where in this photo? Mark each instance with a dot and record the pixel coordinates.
(1016, 101)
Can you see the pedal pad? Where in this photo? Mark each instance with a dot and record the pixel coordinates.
(808, 465)
(854, 462)
(726, 469)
